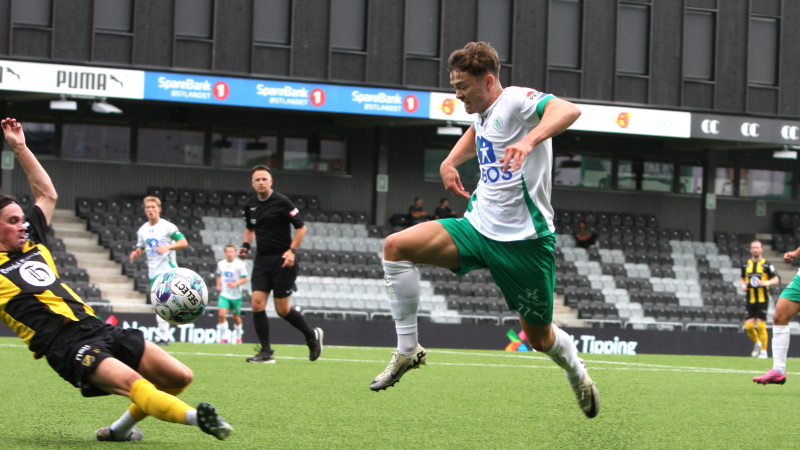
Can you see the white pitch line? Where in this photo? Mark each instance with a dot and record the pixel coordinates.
(641, 369)
(633, 366)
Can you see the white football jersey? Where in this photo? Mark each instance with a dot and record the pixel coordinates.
(231, 272)
(150, 237)
(512, 206)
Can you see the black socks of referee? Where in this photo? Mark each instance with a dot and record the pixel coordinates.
(261, 324)
(297, 321)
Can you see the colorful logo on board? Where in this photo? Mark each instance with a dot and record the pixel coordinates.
(623, 119)
(517, 343)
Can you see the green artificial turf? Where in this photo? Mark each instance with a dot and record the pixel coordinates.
(462, 399)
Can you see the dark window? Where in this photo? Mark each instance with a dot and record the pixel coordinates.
(564, 40)
(691, 180)
(113, 15)
(422, 27)
(170, 146)
(95, 141)
(582, 170)
(323, 154)
(271, 21)
(39, 137)
(468, 171)
(348, 24)
(762, 67)
(633, 36)
(243, 151)
(494, 26)
(698, 45)
(193, 18)
(33, 12)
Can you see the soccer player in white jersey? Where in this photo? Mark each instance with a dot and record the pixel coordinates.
(786, 308)
(158, 239)
(508, 227)
(231, 274)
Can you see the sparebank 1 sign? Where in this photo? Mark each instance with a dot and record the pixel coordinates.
(71, 80)
(284, 95)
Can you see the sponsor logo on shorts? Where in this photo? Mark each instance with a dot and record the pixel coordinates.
(88, 360)
(81, 351)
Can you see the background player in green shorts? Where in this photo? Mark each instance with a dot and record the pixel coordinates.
(231, 274)
(787, 307)
(508, 226)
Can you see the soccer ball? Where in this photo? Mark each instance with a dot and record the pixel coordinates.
(179, 296)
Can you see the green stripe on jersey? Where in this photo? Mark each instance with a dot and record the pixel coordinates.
(540, 105)
(539, 223)
(471, 201)
(177, 236)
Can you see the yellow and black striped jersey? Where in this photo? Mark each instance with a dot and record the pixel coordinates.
(34, 302)
(752, 272)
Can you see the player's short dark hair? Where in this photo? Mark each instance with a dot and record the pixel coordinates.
(416, 198)
(442, 201)
(261, 167)
(6, 200)
(231, 246)
(754, 241)
(476, 59)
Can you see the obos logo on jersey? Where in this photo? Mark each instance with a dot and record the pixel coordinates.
(485, 151)
(37, 273)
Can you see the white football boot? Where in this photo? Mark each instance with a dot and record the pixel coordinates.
(397, 367)
(588, 396)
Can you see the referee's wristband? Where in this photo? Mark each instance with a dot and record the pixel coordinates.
(246, 245)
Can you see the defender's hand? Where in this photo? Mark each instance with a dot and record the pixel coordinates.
(452, 181)
(517, 153)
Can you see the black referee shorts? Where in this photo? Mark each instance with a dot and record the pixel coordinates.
(81, 346)
(268, 275)
(757, 311)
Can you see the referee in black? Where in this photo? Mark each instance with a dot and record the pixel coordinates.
(268, 216)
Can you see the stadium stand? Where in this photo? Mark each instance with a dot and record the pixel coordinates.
(638, 275)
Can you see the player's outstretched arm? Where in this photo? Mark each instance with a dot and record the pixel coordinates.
(41, 185)
(558, 116)
(789, 257)
(462, 152)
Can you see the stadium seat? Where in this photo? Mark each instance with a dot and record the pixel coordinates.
(199, 196)
(241, 197)
(313, 202)
(170, 195)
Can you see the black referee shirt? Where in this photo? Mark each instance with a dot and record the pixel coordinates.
(270, 219)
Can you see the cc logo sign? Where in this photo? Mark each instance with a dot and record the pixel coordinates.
(790, 132)
(709, 126)
(750, 129)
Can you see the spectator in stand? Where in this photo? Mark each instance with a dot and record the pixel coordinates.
(584, 237)
(415, 212)
(443, 211)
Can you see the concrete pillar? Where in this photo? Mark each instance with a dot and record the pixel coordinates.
(381, 169)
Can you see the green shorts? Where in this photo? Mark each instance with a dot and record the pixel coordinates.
(525, 270)
(235, 306)
(792, 291)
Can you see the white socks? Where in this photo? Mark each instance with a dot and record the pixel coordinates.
(780, 347)
(238, 331)
(123, 425)
(163, 328)
(564, 354)
(191, 417)
(222, 331)
(402, 289)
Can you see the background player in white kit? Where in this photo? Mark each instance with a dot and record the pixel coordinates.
(508, 227)
(158, 239)
(231, 274)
